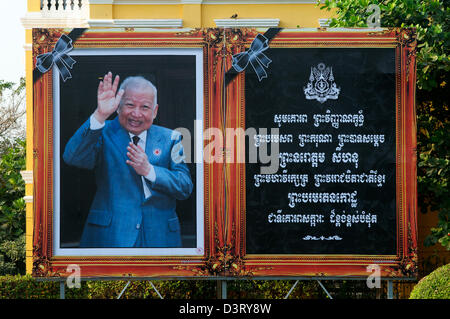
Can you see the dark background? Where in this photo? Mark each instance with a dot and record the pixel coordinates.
(367, 81)
(174, 77)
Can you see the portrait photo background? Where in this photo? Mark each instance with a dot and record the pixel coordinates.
(175, 79)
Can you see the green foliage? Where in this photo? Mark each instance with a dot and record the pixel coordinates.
(204, 289)
(434, 286)
(430, 18)
(26, 287)
(432, 261)
(431, 21)
(274, 289)
(433, 168)
(11, 86)
(14, 251)
(12, 210)
(19, 287)
(12, 111)
(12, 190)
(5, 86)
(187, 289)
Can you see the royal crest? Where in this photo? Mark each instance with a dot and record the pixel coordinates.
(321, 86)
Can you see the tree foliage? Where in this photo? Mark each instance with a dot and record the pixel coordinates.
(12, 209)
(12, 187)
(12, 256)
(431, 21)
(12, 112)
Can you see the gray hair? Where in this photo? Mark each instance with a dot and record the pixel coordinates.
(138, 82)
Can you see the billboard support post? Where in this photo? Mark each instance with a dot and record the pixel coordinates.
(62, 287)
(390, 290)
(324, 289)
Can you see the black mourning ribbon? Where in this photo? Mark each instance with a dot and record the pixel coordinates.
(255, 56)
(58, 57)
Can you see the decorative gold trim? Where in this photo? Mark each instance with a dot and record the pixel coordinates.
(224, 222)
(43, 40)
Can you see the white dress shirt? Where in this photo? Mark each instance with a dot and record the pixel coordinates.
(151, 176)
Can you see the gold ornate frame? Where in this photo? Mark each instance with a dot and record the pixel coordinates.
(45, 262)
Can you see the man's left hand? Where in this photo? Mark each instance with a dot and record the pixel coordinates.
(138, 159)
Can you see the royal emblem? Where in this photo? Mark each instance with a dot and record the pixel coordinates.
(321, 86)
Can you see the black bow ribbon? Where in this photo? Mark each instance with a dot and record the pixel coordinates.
(255, 56)
(59, 57)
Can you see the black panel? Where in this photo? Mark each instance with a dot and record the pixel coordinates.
(174, 76)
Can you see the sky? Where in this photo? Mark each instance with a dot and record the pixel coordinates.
(12, 52)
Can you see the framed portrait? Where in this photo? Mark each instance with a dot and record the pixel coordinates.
(174, 73)
(70, 189)
(274, 152)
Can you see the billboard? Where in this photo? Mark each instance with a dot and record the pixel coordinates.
(259, 152)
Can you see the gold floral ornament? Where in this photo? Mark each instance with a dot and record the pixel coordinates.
(43, 40)
(41, 266)
(223, 42)
(408, 264)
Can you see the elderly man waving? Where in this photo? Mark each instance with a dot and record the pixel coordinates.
(138, 180)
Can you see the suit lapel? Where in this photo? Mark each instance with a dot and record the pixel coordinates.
(120, 138)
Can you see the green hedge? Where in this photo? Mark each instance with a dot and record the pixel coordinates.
(26, 287)
(143, 289)
(434, 286)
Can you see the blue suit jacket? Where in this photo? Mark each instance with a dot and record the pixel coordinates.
(119, 210)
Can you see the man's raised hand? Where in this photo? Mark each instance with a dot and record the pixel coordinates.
(107, 99)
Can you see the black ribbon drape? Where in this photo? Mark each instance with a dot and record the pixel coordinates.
(254, 56)
(58, 56)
